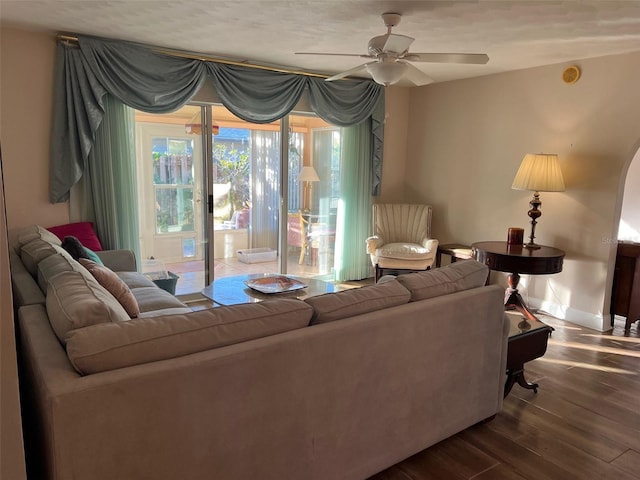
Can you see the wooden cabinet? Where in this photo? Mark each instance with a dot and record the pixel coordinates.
(625, 296)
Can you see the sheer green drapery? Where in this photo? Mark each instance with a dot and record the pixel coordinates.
(265, 169)
(157, 83)
(106, 193)
(353, 224)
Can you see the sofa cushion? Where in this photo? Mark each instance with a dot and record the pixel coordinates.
(114, 285)
(455, 277)
(334, 306)
(154, 298)
(55, 264)
(116, 345)
(35, 251)
(76, 300)
(32, 232)
(135, 279)
(83, 231)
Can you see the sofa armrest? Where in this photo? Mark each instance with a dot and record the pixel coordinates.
(118, 260)
(373, 243)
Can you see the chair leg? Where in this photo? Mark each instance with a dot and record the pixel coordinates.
(378, 273)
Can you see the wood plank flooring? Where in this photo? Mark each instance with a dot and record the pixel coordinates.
(584, 422)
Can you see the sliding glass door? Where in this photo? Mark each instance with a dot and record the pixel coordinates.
(210, 204)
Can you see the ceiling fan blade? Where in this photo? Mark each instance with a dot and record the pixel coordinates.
(346, 73)
(397, 43)
(417, 76)
(471, 58)
(336, 54)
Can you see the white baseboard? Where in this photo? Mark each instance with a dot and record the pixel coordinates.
(585, 319)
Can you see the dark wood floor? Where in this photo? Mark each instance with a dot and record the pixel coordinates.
(584, 422)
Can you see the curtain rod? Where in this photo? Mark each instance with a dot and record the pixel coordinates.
(205, 58)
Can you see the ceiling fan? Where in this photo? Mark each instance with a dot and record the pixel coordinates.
(391, 57)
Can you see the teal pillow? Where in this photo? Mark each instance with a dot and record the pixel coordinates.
(93, 256)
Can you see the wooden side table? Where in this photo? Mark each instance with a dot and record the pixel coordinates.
(455, 251)
(527, 341)
(518, 259)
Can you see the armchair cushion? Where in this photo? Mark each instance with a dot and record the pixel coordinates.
(403, 251)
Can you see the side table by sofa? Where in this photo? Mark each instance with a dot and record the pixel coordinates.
(455, 251)
(527, 341)
(518, 259)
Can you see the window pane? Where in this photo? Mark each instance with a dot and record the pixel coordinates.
(174, 210)
(231, 171)
(172, 161)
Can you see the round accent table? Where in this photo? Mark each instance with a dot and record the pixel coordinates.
(518, 259)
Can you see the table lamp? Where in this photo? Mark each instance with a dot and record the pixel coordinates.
(538, 173)
(308, 174)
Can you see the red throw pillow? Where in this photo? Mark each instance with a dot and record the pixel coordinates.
(83, 231)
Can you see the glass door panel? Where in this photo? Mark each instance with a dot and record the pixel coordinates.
(314, 177)
(170, 186)
(246, 195)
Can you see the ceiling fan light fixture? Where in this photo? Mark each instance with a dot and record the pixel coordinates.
(386, 73)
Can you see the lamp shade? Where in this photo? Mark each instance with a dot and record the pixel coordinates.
(309, 174)
(386, 72)
(539, 173)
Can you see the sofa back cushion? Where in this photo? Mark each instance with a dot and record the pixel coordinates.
(76, 300)
(455, 277)
(37, 250)
(357, 301)
(32, 232)
(116, 345)
(55, 264)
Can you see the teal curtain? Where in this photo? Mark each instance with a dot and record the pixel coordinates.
(106, 193)
(353, 224)
(156, 83)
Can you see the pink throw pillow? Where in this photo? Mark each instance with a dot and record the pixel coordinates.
(83, 231)
(114, 285)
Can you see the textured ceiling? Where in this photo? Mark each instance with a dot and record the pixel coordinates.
(516, 34)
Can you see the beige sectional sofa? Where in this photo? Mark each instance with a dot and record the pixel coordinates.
(340, 386)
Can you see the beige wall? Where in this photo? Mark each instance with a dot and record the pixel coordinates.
(466, 141)
(26, 89)
(454, 145)
(395, 145)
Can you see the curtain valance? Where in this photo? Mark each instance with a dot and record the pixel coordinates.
(157, 83)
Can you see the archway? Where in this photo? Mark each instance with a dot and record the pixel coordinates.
(627, 224)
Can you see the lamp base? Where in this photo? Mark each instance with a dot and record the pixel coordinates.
(534, 214)
(532, 246)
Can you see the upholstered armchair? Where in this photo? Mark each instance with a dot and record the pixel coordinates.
(401, 237)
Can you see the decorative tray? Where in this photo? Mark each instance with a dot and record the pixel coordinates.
(274, 284)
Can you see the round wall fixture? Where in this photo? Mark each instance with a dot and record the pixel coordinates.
(571, 74)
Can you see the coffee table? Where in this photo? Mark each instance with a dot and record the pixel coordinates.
(233, 291)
